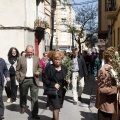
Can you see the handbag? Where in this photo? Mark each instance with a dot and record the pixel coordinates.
(48, 90)
(52, 91)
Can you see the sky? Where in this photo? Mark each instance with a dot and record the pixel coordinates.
(82, 1)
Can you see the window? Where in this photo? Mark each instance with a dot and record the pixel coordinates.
(110, 5)
(63, 19)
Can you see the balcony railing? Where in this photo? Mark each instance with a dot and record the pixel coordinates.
(111, 9)
(110, 5)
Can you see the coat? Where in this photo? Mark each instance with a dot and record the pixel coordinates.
(106, 98)
(3, 71)
(8, 64)
(50, 79)
(21, 69)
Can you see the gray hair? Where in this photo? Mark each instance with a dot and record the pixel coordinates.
(29, 46)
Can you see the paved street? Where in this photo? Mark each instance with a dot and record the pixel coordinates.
(68, 112)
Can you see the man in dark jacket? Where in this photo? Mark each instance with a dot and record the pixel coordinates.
(79, 71)
(3, 72)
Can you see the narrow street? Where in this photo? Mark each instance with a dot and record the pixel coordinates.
(69, 111)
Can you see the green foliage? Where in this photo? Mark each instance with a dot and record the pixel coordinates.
(47, 25)
(68, 63)
(115, 61)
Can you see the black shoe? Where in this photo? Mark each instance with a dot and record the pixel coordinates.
(22, 110)
(35, 117)
(80, 99)
(2, 117)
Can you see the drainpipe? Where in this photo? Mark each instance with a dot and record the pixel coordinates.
(25, 22)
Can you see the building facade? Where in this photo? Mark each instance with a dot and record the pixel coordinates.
(64, 16)
(23, 23)
(109, 22)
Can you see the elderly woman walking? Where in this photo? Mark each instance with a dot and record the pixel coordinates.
(54, 77)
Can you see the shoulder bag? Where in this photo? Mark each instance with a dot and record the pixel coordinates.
(52, 91)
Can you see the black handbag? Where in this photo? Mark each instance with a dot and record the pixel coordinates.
(52, 91)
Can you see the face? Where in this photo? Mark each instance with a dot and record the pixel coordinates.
(75, 53)
(29, 51)
(23, 54)
(45, 56)
(14, 52)
(57, 62)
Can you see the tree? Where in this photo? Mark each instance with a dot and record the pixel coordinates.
(87, 17)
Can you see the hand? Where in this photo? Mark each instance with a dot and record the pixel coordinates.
(8, 78)
(57, 86)
(37, 74)
(68, 81)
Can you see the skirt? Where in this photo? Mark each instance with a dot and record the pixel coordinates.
(56, 101)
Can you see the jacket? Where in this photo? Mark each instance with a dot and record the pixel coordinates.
(3, 71)
(50, 78)
(106, 98)
(21, 69)
(82, 66)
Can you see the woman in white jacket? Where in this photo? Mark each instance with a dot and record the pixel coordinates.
(11, 86)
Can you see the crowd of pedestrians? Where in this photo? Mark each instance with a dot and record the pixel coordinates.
(23, 71)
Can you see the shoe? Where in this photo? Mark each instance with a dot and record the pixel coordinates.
(13, 102)
(2, 117)
(8, 100)
(79, 98)
(35, 117)
(22, 110)
(74, 103)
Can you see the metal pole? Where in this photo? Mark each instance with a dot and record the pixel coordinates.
(72, 40)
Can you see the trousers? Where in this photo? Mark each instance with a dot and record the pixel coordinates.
(77, 85)
(1, 101)
(24, 87)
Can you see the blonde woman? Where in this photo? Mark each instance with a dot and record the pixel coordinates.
(54, 77)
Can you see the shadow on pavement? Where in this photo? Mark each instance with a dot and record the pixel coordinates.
(42, 117)
(16, 108)
(42, 105)
(69, 99)
(86, 101)
(88, 116)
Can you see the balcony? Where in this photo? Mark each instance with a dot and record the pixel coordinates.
(41, 24)
(111, 9)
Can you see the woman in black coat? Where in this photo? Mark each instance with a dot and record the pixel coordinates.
(11, 87)
(54, 77)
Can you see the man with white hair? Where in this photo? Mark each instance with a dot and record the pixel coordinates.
(27, 73)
